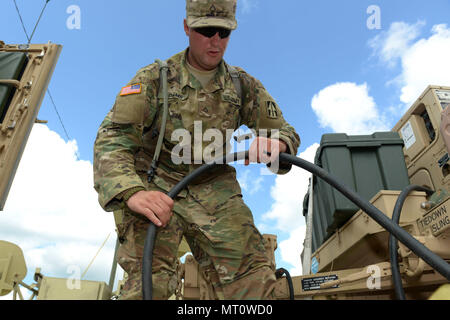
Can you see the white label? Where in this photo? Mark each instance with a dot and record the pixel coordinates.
(408, 135)
(437, 220)
(309, 284)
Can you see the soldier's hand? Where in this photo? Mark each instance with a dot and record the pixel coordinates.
(265, 150)
(155, 205)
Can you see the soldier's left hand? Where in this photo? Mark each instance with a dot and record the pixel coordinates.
(265, 150)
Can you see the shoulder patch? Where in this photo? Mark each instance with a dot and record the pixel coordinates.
(271, 110)
(132, 89)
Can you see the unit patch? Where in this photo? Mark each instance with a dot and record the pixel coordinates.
(132, 89)
(271, 110)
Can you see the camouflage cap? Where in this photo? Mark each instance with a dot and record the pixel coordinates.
(211, 13)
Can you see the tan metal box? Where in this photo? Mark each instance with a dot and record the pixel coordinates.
(70, 289)
(425, 149)
(445, 127)
(362, 241)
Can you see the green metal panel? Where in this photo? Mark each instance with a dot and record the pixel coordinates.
(12, 65)
(364, 163)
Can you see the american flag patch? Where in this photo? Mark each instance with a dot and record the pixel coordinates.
(134, 88)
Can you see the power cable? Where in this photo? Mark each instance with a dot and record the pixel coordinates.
(37, 22)
(60, 119)
(39, 19)
(57, 113)
(21, 21)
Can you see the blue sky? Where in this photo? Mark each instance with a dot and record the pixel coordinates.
(328, 71)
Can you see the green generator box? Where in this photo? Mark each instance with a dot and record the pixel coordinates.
(364, 163)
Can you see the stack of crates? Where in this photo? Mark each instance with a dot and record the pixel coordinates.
(364, 163)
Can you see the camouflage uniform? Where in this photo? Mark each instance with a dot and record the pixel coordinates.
(210, 212)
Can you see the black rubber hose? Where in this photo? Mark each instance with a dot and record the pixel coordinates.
(393, 243)
(279, 273)
(415, 246)
(147, 260)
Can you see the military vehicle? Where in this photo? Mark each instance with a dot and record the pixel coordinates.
(347, 254)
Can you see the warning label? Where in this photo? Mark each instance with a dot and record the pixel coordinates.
(309, 284)
(408, 135)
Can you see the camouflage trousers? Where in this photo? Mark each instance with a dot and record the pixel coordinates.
(226, 244)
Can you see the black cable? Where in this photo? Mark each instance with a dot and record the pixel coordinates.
(35, 26)
(279, 273)
(413, 244)
(57, 113)
(147, 259)
(60, 120)
(393, 243)
(147, 262)
(21, 21)
(39, 19)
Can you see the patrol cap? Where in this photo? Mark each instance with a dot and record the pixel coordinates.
(211, 13)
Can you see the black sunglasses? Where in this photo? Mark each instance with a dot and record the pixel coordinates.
(211, 31)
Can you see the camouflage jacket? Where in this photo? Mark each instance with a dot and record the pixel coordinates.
(127, 137)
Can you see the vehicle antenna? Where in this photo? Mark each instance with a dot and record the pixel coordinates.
(101, 247)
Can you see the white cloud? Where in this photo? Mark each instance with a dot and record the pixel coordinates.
(52, 211)
(346, 107)
(249, 183)
(391, 45)
(292, 248)
(287, 210)
(424, 61)
(288, 193)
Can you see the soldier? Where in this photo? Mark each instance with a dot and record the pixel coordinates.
(210, 212)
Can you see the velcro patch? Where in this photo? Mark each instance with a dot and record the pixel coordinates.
(132, 89)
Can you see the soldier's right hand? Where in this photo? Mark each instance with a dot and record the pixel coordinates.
(155, 205)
